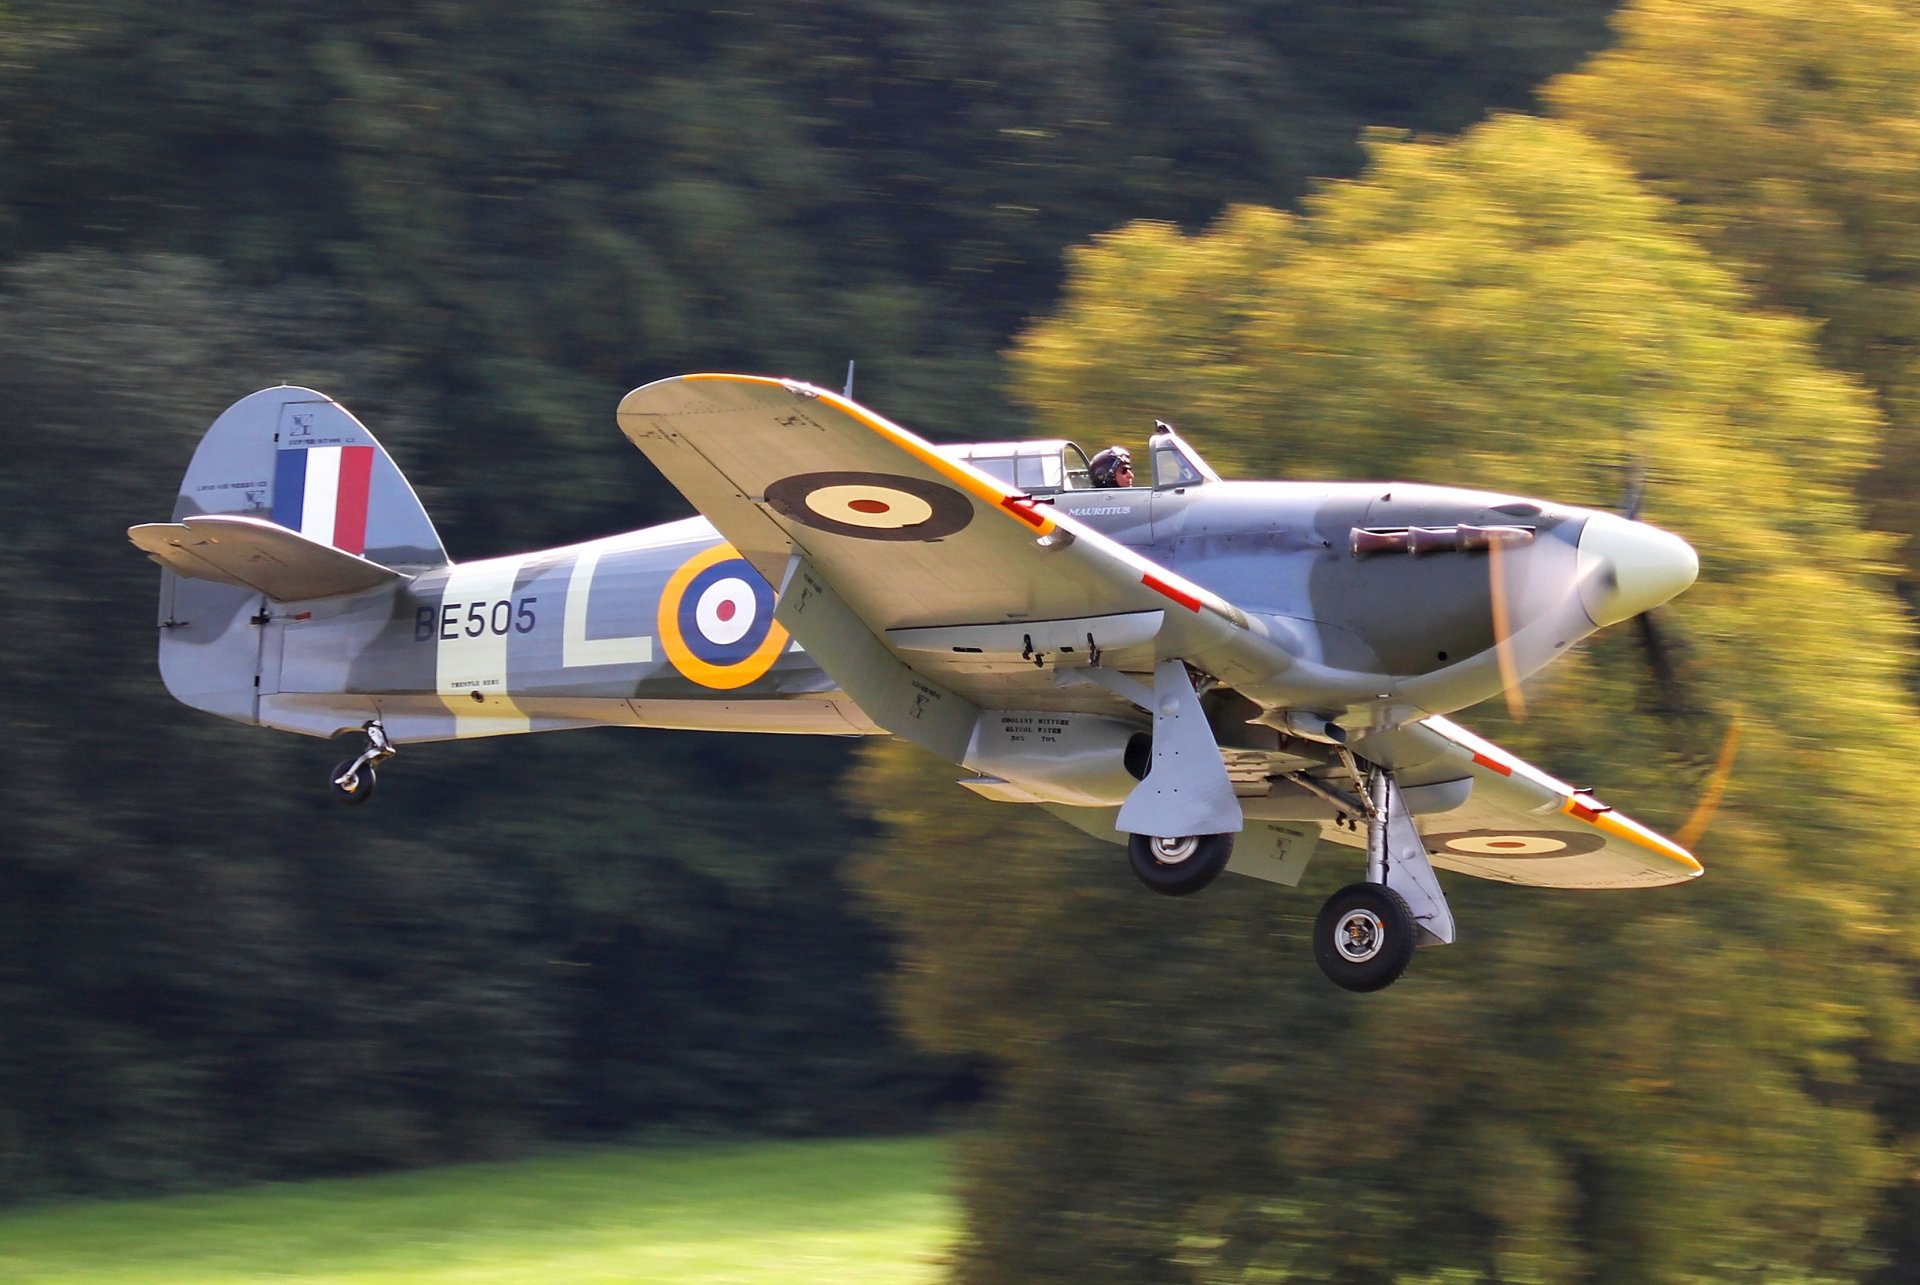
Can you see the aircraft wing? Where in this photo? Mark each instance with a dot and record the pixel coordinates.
(965, 577)
(1520, 825)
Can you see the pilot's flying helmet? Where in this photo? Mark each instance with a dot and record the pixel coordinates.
(1103, 467)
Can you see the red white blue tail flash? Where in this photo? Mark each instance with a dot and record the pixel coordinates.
(321, 492)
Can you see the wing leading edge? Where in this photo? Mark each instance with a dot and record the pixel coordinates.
(933, 555)
(911, 539)
(1520, 825)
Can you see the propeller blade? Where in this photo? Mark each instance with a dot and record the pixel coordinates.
(1696, 823)
(1502, 631)
(1660, 662)
(1634, 491)
(1653, 644)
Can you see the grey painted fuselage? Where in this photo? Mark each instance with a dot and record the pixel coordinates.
(628, 629)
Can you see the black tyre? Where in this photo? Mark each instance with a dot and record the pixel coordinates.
(361, 788)
(1176, 867)
(1364, 937)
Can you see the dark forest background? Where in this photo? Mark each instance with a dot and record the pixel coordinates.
(477, 224)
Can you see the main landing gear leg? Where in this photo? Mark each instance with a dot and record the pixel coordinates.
(1365, 935)
(353, 780)
(1180, 820)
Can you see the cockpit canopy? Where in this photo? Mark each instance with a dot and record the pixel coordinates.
(1174, 462)
(1049, 467)
(1038, 468)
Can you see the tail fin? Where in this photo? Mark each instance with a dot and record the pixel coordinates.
(296, 458)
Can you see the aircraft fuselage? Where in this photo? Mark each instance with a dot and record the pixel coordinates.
(667, 627)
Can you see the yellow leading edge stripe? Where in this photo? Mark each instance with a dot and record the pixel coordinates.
(986, 488)
(1591, 811)
(955, 471)
(1632, 831)
(1013, 503)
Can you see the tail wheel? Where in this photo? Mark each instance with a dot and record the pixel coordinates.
(352, 786)
(1364, 937)
(1177, 866)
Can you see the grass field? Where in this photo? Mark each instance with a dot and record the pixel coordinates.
(868, 1212)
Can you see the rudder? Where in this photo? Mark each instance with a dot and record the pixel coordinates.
(298, 458)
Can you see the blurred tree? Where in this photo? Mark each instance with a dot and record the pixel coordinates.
(515, 212)
(208, 971)
(541, 206)
(532, 208)
(1650, 1086)
(1788, 138)
(200, 975)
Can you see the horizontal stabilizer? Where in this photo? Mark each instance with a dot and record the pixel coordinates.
(255, 554)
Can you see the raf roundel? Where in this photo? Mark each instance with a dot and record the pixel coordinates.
(871, 506)
(716, 620)
(1519, 845)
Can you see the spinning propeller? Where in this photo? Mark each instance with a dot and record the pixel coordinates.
(1653, 644)
(1600, 589)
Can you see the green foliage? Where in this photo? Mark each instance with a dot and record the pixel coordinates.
(867, 1212)
(1509, 312)
(1671, 1085)
(208, 971)
(514, 213)
(1788, 138)
(1586, 1088)
(543, 206)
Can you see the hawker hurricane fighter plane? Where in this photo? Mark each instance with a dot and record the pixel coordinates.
(1216, 675)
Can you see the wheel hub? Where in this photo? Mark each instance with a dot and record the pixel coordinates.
(1173, 851)
(1359, 936)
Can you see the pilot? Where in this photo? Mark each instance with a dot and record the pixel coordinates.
(1111, 467)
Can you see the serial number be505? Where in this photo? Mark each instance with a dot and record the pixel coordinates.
(471, 619)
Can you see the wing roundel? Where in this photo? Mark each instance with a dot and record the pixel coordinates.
(908, 537)
(1521, 825)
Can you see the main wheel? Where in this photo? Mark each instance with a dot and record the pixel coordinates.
(1175, 867)
(359, 790)
(1364, 937)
